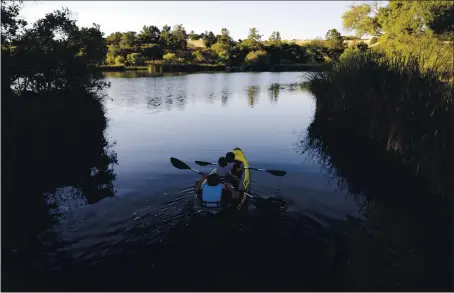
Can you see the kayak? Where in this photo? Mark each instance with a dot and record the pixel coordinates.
(244, 187)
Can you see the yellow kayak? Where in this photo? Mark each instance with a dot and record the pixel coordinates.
(243, 187)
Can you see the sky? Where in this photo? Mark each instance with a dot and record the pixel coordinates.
(293, 19)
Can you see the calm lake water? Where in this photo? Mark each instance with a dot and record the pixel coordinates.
(144, 237)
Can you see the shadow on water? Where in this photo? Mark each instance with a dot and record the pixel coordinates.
(406, 242)
(55, 157)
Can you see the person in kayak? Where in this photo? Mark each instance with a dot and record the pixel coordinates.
(212, 192)
(224, 172)
(235, 166)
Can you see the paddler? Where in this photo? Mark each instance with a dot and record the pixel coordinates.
(224, 172)
(234, 166)
(211, 190)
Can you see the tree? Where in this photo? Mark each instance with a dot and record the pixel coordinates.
(209, 39)
(253, 40)
(152, 51)
(358, 19)
(149, 35)
(128, 40)
(55, 54)
(114, 38)
(254, 35)
(193, 36)
(170, 57)
(135, 59)
(224, 37)
(179, 37)
(165, 37)
(334, 39)
(275, 38)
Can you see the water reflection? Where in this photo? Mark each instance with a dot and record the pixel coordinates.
(388, 193)
(273, 92)
(53, 150)
(141, 73)
(253, 93)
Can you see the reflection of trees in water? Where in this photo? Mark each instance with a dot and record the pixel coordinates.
(253, 95)
(392, 197)
(273, 92)
(52, 142)
(225, 96)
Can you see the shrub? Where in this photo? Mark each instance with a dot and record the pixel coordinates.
(198, 56)
(119, 60)
(372, 41)
(170, 57)
(362, 46)
(135, 59)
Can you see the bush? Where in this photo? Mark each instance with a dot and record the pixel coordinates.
(198, 56)
(119, 60)
(362, 46)
(394, 105)
(372, 41)
(135, 59)
(172, 57)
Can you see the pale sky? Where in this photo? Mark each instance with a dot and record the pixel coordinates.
(293, 19)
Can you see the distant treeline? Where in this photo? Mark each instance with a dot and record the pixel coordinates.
(176, 46)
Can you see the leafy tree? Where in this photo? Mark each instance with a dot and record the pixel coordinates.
(334, 38)
(135, 59)
(128, 40)
(193, 36)
(358, 19)
(166, 37)
(257, 59)
(119, 60)
(198, 56)
(254, 39)
(170, 57)
(114, 38)
(224, 37)
(179, 37)
(149, 35)
(275, 38)
(55, 54)
(209, 39)
(152, 51)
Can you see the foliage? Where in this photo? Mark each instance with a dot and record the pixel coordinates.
(119, 60)
(149, 34)
(373, 40)
(275, 39)
(135, 59)
(387, 99)
(170, 57)
(253, 39)
(208, 39)
(198, 56)
(359, 19)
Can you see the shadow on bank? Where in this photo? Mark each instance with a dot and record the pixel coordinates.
(385, 129)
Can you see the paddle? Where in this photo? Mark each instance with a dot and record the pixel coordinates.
(273, 172)
(183, 166)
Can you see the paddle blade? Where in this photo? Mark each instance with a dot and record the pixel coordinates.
(200, 163)
(179, 164)
(276, 172)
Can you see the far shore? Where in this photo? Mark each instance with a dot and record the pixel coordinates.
(160, 68)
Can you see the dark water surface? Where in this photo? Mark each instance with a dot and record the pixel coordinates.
(144, 237)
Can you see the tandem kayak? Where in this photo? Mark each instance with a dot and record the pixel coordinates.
(243, 188)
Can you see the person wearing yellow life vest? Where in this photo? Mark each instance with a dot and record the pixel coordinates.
(212, 192)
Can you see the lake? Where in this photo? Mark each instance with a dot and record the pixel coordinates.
(144, 238)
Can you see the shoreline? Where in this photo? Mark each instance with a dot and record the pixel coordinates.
(165, 68)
